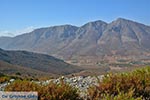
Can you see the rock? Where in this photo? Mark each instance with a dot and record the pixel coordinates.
(79, 82)
(11, 80)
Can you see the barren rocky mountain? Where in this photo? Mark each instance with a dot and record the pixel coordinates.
(121, 37)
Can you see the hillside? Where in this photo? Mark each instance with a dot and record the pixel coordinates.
(35, 61)
(19, 71)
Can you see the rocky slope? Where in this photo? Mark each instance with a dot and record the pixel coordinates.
(120, 37)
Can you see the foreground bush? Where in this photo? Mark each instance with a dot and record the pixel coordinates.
(49, 92)
(60, 92)
(130, 86)
(4, 79)
(24, 85)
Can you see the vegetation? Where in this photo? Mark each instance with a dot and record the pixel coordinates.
(133, 85)
(33, 63)
(125, 86)
(23, 85)
(18, 73)
(49, 92)
(4, 79)
(60, 92)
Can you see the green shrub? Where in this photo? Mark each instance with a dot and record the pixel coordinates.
(121, 96)
(18, 73)
(120, 85)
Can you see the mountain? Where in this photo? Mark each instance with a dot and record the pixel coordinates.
(85, 42)
(125, 37)
(121, 37)
(43, 40)
(38, 62)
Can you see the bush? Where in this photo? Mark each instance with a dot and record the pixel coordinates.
(4, 79)
(18, 73)
(49, 92)
(1, 74)
(121, 96)
(60, 92)
(23, 85)
(121, 85)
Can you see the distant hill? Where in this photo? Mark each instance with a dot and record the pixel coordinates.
(121, 37)
(19, 61)
(16, 70)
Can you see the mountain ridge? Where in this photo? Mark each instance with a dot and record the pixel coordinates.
(97, 38)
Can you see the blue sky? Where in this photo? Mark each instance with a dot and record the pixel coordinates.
(19, 16)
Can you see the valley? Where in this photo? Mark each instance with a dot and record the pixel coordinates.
(94, 48)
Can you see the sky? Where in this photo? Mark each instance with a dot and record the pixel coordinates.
(21, 16)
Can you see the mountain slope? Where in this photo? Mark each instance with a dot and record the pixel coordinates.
(36, 61)
(43, 40)
(86, 40)
(120, 37)
(126, 37)
(9, 69)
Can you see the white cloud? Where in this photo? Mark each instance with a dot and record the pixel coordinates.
(6, 33)
(25, 30)
(16, 32)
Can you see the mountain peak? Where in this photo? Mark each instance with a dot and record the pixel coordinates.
(66, 26)
(121, 19)
(97, 23)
